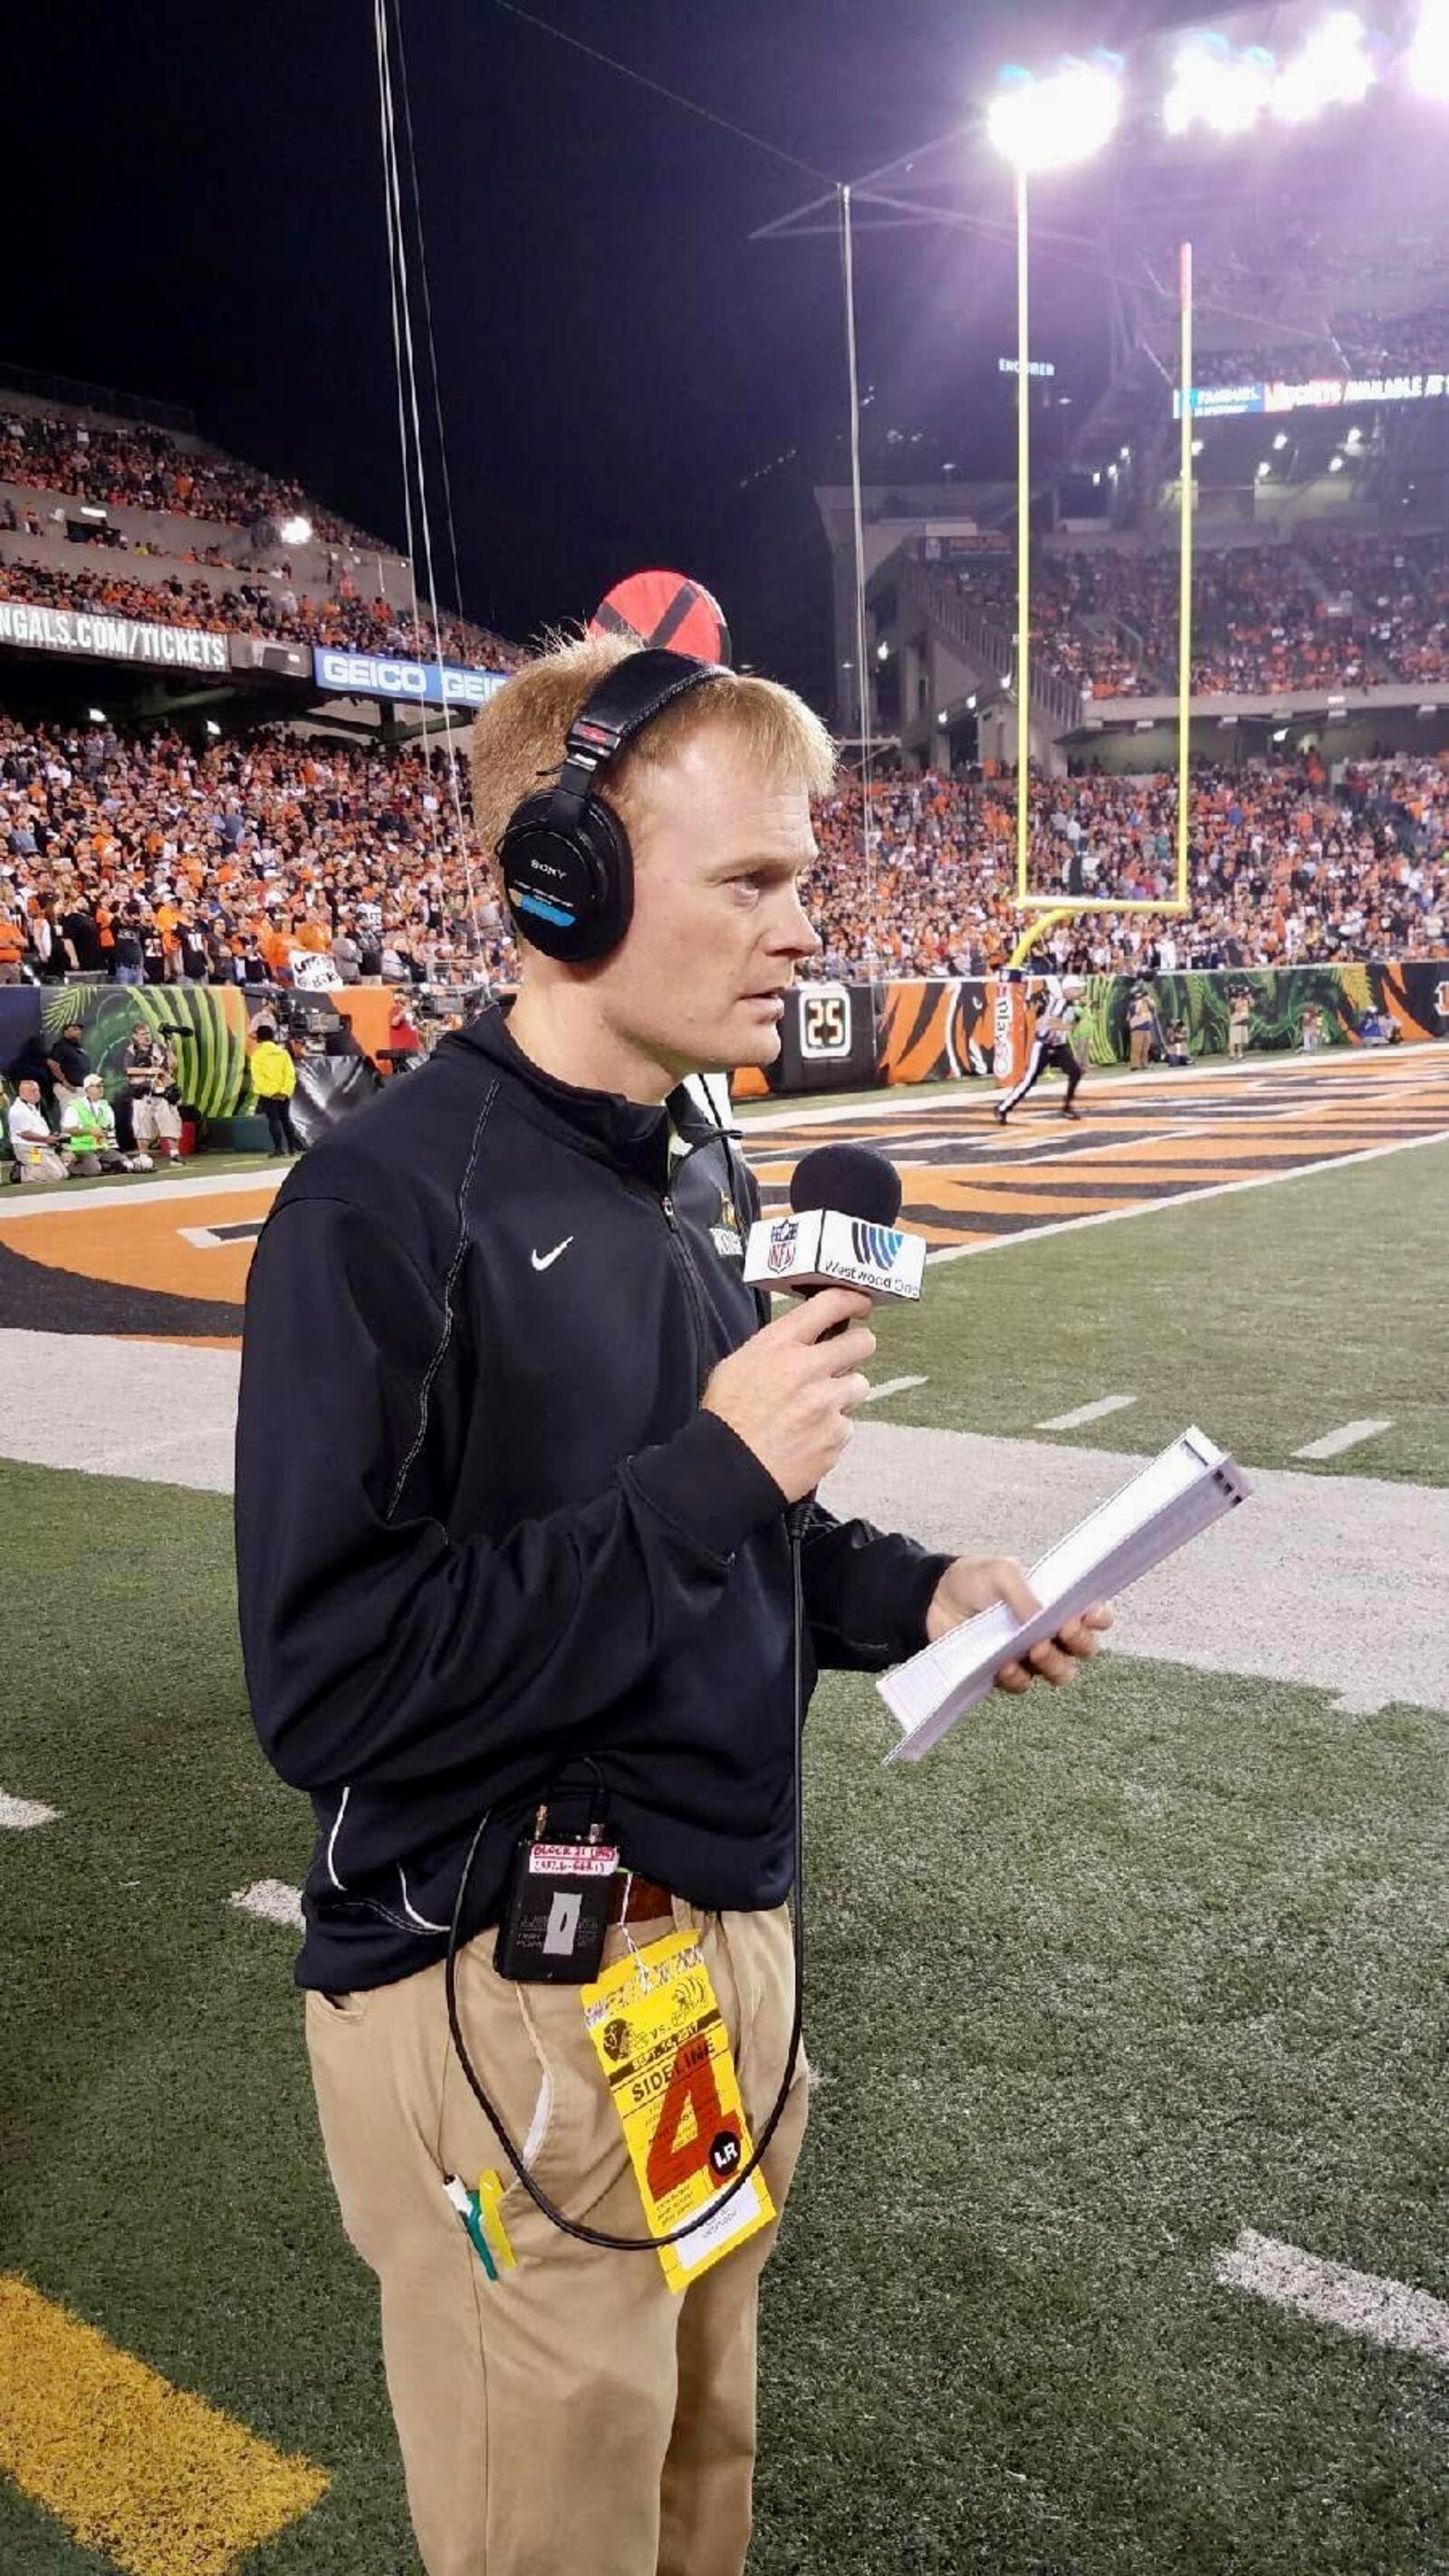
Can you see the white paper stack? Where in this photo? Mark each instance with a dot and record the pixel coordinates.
(1184, 1491)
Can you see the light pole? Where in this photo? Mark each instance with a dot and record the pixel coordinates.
(1038, 126)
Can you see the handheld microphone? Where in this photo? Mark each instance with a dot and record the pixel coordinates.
(841, 1231)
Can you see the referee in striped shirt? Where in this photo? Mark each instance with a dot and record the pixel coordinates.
(1052, 1043)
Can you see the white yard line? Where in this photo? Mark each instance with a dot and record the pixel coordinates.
(18, 1815)
(893, 1386)
(60, 1202)
(1097, 1412)
(1348, 1436)
(1245, 1599)
(1182, 1198)
(271, 1901)
(1361, 2303)
(132, 1408)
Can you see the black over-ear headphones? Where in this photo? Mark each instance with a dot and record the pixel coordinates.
(568, 871)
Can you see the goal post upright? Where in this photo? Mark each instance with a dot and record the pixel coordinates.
(1052, 910)
(1184, 576)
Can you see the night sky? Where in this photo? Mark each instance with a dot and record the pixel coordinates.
(195, 202)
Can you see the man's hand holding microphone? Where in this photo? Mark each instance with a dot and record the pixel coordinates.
(791, 1395)
(791, 1392)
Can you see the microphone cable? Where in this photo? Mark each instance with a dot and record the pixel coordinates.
(796, 1519)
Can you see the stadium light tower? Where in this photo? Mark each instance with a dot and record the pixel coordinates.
(1332, 68)
(1427, 60)
(1218, 85)
(1038, 126)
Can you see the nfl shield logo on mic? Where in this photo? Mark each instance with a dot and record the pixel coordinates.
(782, 1243)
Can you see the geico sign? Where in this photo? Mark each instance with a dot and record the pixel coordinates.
(369, 675)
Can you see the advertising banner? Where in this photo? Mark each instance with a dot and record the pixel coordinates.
(1313, 393)
(94, 635)
(384, 675)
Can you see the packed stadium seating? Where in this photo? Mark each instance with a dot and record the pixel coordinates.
(144, 468)
(228, 861)
(223, 862)
(1329, 612)
(1283, 870)
(256, 608)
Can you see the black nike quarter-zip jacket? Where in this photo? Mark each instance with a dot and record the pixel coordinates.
(484, 1527)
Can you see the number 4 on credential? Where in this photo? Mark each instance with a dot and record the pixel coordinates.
(656, 2024)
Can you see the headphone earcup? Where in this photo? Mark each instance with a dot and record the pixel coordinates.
(569, 892)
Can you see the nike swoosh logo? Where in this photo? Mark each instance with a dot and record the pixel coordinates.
(546, 1260)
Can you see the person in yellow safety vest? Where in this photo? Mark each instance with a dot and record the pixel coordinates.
(274, 1079)
(88, 1131)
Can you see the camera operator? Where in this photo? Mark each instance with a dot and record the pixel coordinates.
(150, 1068)
(521, 1478)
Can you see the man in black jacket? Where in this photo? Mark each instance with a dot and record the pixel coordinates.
(514, 1463)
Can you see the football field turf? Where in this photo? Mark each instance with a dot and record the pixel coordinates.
(1109, 1980)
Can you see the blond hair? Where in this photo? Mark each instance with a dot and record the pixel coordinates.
(519, 736)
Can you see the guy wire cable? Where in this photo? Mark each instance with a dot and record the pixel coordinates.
(405, 364)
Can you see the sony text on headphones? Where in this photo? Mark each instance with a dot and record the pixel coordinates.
(568, 871)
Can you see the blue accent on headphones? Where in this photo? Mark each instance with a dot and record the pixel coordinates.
(546, 911)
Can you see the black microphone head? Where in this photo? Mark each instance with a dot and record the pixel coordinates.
(852, 1179)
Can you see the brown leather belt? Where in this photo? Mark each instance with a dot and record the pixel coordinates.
(637, 1900)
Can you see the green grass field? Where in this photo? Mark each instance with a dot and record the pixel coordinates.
(1269, 1315)
(1111, 1977)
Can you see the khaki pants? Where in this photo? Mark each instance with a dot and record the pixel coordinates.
(155, 1121)
(578, 2413)
(1139, 1050)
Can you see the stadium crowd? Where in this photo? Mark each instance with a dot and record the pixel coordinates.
(147, 469)
(152, 860)
(148, 860)
(255, 608)
(1284, 869)
(1337, 612)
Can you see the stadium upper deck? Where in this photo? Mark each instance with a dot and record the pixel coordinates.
(127, 543)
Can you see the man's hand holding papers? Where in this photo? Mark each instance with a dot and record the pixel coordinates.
(978, 1582)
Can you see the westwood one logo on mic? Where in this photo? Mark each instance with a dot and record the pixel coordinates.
(876, 1247)
(820, 1248)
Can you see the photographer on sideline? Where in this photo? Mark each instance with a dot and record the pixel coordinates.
(151, 1077)
(518, 1469)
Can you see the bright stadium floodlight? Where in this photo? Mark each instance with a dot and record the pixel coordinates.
(1198, 445)
(1332, 68)
(882, 651)
(213, 727)
(1050, 124)
(95, 715)
(1281, 440)
(1265, 466)
(1335, 464)
(295, 532)
(1217, 85)
(1427, 60)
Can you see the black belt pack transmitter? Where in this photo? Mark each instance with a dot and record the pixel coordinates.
(556, 1911)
